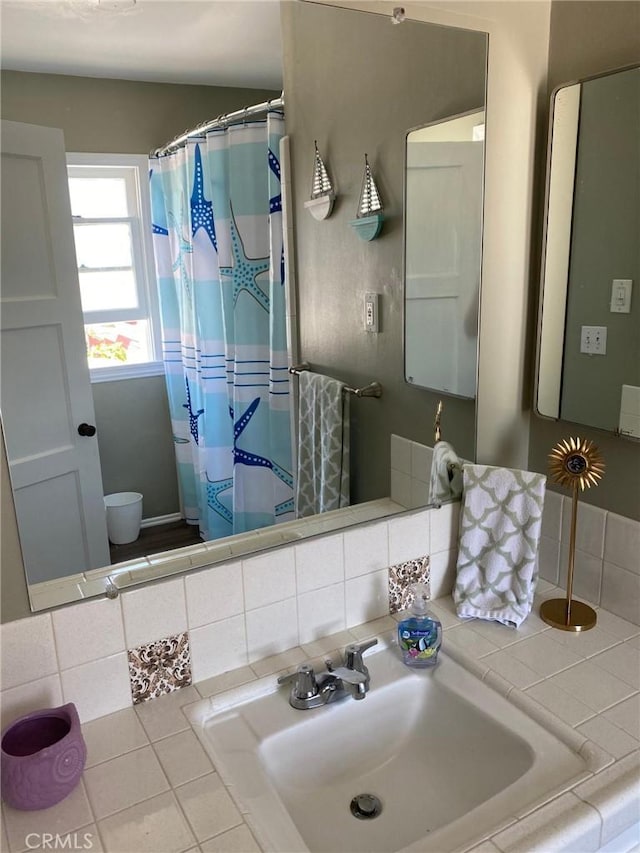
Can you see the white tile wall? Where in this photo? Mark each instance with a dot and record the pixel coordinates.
(321, 612)
(244, 610)
(607, 560)
(98, 687)
(319, 563)
(409, 536)
(272, 629)
(410, 472)
(367, 597)
(269, 578)
(218, 647)
(590, 526)
(400, 454)
(153, 612)
(41, 693)
(35, 634)
(401, 487)
(622, 542)
(366, 549)
(236, 612)
(88, 631)
(621, 592)
(213, 594)
(444, 524)
(587, 573)
(443, 572)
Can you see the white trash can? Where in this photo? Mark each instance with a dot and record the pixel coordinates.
(124, 515)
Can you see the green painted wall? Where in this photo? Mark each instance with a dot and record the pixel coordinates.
(604, 246)
(357, 84)
(591, 37)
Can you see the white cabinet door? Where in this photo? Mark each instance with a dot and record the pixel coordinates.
(443, 255)
(45, 390)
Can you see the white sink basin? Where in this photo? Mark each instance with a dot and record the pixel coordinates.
(449, 759)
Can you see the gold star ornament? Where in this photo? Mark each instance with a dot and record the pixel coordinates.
(576, 462)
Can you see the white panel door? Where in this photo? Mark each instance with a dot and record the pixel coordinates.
(443, 258)
(45, 390)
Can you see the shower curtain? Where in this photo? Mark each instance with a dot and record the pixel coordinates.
(218, 245)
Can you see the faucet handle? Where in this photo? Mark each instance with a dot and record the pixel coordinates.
(353, 654)
(350, 676)
(304, 684)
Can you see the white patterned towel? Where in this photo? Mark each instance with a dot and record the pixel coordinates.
(323, 445)
(500, 521)
(446, 474)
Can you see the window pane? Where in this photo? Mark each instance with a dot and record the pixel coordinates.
(98, 197)
(105, 291)
(115, 344)
(101, 245)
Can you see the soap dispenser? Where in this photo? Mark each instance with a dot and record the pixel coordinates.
(419, 633)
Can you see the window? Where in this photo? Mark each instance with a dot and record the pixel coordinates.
(111, 226)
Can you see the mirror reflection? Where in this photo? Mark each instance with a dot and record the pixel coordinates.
(443, 253)
(589, 336)
(135, 429)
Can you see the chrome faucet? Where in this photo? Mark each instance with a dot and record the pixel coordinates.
(309, 690)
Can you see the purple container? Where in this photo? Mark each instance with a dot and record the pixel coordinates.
(43, 756)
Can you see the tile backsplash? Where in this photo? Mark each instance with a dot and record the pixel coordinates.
(607, 559)
(410, 472)
(402, 577)
(163, 666)
(235, 613)
(245, 609)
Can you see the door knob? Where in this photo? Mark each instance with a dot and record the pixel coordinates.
(87, 430)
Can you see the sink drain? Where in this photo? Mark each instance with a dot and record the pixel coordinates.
(365, 806)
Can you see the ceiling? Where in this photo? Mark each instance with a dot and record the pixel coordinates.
(210, 42)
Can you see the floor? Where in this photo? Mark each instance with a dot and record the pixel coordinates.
(154, 540)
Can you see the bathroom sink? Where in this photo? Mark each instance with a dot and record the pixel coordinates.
(433, 758)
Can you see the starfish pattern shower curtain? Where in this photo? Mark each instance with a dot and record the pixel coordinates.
(218, 245)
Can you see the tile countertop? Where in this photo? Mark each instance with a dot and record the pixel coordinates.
(149, 785)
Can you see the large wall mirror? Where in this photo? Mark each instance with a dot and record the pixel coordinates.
(341, 347)
(589, 331)
(443, 253)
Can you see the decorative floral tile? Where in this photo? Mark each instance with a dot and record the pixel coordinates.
(402, 576)
(159, 667)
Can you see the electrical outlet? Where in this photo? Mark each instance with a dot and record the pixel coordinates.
(593, 340)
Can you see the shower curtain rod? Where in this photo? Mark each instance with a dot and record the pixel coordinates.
(220, 121)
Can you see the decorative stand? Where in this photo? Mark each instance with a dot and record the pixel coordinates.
(577, 464)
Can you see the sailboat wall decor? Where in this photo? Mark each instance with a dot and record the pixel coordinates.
(369, 219)
(322, 194)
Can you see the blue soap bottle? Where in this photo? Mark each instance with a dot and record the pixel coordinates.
(419, 633)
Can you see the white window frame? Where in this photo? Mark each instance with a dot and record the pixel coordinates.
(138, 197)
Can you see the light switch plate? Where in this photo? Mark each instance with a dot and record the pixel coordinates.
(621, 295)
(371, 312)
